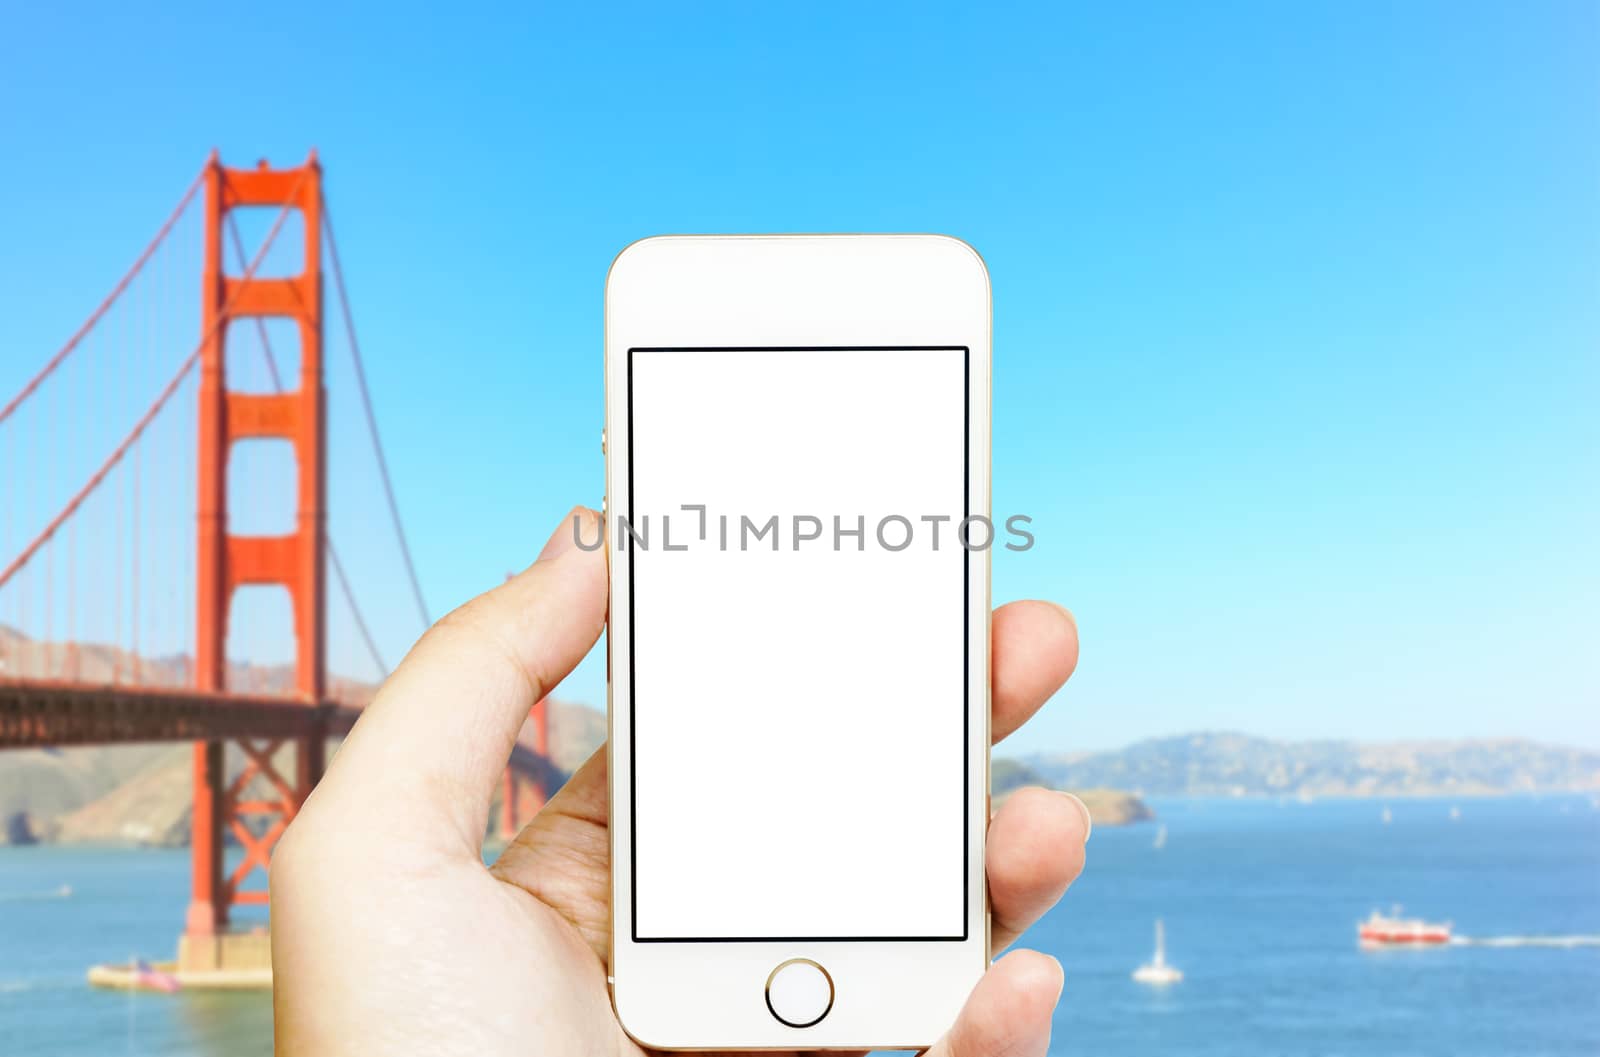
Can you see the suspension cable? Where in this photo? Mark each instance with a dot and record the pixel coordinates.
(105, 306)
(372, 419)
(355, 611)
(154, 409)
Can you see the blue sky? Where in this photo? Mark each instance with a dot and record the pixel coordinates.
(1297, 334)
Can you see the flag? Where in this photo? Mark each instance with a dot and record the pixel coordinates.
(147, 975)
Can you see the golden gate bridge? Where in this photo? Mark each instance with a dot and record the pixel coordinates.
(130, 526)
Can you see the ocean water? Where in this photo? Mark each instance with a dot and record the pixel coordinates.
(1260, 901)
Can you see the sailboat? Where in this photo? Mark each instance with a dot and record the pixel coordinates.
(1388, 816)
(1156, 970)
(1161, 838)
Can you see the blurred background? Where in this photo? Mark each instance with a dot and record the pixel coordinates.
(1297, 355)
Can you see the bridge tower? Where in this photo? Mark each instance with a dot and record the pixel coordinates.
(227, 561)
(521, 796)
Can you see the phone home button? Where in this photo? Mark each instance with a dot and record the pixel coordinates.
(799, 992)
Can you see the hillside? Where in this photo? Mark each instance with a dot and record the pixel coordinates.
(37, 786)
(1107, 807)
(94, 663)
(1228, 764)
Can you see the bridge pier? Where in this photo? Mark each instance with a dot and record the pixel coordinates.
(206, 915)
(225, 959)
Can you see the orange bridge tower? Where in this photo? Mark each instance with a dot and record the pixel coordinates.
(226, 561)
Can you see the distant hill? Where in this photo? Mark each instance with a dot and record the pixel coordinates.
(1107, 807)
(1228, 764)
(37, 786)
(96, 663)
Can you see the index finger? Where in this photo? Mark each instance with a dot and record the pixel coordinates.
(443, 725)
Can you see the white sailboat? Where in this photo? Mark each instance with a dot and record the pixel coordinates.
(1161, 838)
(1156, 970)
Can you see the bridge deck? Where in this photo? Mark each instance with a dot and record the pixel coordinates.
(39, 714)
(54, 714)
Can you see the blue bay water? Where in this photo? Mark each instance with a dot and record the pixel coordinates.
(1260, 901)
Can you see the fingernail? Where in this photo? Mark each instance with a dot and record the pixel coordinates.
(1061, 971)
(1083, 809)
(565, 537)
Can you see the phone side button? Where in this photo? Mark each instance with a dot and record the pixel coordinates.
(799, 993)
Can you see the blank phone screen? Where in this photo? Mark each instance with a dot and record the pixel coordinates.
(798, 590)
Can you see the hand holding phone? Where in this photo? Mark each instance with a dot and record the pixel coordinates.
(390, 937)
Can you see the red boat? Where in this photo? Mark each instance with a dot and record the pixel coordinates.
(1392, 930)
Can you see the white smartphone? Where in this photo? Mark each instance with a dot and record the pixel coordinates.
(797, 481)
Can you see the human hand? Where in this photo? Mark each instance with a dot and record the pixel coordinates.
(390, 936)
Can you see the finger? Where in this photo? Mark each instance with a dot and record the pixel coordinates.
(1008, 1012)
(1035, 851)
(1035, 649)
(440, 731)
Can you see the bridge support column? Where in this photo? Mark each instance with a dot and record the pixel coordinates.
(256, 804)
(206, 910)
(521, 796)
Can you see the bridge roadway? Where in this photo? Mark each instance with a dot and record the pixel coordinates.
(58, 714)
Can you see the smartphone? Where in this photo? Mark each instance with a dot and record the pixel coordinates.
(797, 483)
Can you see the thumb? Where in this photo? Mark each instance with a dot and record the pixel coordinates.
(426, 752)
(1009, 1012)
